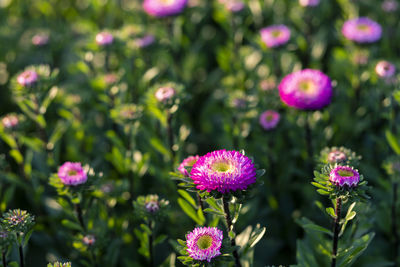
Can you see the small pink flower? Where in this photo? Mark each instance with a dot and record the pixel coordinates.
(27, 78)
(152, 206)
(309, 2)
(267, 85)
(10, 121)
(269, 119)
(275, 35)
(72, 173)
(164, 93)
(145, 41)
(164, 8)
(362, 30)
(40, 39)
(233, 5)
(385, 69)
(110, 78)
(344, 175)
(104, 38)
(390, 5)
(188, 162)
(336, 156)
(89, 240)
(204, 243)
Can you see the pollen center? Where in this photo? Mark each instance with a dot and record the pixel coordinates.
(276, 33)
(307, 86)
(221, 166)
(345, 173)
(204, 242)
(363, 27)
(72, 172)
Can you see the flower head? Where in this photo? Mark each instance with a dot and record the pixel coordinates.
(188, 162)
(150, 206)
(89, 240)
(344, 175)
(309, 2)
(18, 220)
(164, 93)
(10, 121)
(27, 78)
(306, 89)
(385, 69)
(269, 119)
(40, 39)
(204, 243)
(145, 41)
(223, 171)
(275, 35)
(390, 5)
(72, 173)
(362, 30)
(104, 38)
(164, 8)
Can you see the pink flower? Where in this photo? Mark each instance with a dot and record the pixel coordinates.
(104, 38)
(204, 243)
(164, 93)
(40, 39)
(188, 162)
(10, 121)
(269, 119)
(27, 78)
(362, 30)
(390, 5)
(223, 171)
(344, 175)
(164, 8)
(145, 41)
(309, 2)
(72, 173)
(385, 69)
(275, 35)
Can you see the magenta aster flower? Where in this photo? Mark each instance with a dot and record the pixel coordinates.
(40, 39)
(72, 173)
(275, 35)
(10, 121)
(309, 2)
(385, 69)
(223, 171)
(204, 243)
(27, 78)
(344, 175)
(362, 30)
(164, 8)
(306, 89)
(188, 162)
(269, 119)
(164, 93)
(104, 38)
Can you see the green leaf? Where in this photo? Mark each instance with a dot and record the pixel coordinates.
(310, 225)
(256, 236)
(71, 225)
(331, 212)
(187, 197)
(322, 192)
(160, 239)
(213, 203)
(349, 255)
(189, 210)
(394, 144)
(17, 156)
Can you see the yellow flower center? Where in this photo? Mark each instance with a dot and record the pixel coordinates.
(345, 173)
(72, 172)
(363, 27)
(204, 242)
(167, 2)
(276, 33)
(221, 166)
(307, 86)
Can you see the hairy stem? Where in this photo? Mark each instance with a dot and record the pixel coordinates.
(394, 225)
(228, 220)
(3, 254)
(79, 214)
(336, 231)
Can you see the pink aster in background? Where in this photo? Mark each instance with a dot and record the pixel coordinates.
(72, 173)
(306, 89)
(309, 2)
(233, 5)
(164, 8)
(385, 69)
(223, 171)
(145, 41)
(269, 119)
(336, 156)
(10, 121)
(27, 78)
(390, 5)
(204, 243)
(344, 175)
(104, 38)
(188, 162)
(89, 240)
(164, 93)
(362, 30)
(275, 35)
(40, 39)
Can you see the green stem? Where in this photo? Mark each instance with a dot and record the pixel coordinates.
(394, 225)
(79, 214)
(229, 224)
(151, 245)
(3, 254)
(336, 231)
(170, 135)
(21, 255)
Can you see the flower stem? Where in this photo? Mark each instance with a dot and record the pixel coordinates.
(170, 135)
(228, 220)
(200, 202)
(3, 254)
(78, 210)
(336, 231)
(394, 225)
(21, 255)
(151, 246)
(309, 139)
